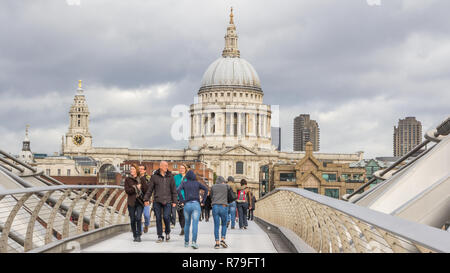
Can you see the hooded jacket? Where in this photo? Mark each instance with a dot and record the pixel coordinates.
(191, 189)
(163, 187)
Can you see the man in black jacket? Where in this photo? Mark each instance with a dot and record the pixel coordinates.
(162, 184)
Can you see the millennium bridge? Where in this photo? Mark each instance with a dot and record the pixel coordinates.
(408, 212)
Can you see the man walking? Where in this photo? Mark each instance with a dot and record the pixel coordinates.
(162, 184)
(145, 178)
(231, 215)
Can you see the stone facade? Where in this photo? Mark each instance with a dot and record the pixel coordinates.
(332, 179)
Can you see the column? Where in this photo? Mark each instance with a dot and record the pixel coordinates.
(254, 125)
(239, 125)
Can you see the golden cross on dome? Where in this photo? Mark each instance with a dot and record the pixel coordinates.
(79, 84)
(231, 16)
(26, 129)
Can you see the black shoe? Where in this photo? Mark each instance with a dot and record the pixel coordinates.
(167, 237)
(223, 244)
(245, 227)
(217, 246)
(228, 223)
(135, 239)
(232, 227)
(160, 240)
(138, 239)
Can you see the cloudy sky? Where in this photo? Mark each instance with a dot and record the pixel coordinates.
(356, 68)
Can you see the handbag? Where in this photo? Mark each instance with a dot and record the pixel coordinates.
(231, 196)
(139, 197)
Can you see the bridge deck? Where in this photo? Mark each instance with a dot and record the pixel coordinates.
(252, 240)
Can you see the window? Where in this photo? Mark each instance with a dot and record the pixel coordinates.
(345, 177)
(68, 172)
(239, 167)
(175, 166)
(59, 172)
(315, 190)
(349, 191)
(329, 177)
(193, 166)
(287, 177)
(334, 193)
(87, 171)
(47, 171)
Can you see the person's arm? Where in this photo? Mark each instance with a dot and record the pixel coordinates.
(129, 189)
(173, 189)
(205, 193)
(149, 192)
(211, 194)
(179, 189)
(250, 199)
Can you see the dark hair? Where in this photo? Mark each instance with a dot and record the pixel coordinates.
(145, 167)
(243, 182)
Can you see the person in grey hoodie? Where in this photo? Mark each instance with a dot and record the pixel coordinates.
(219, 201)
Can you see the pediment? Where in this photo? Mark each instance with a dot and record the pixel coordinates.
(239, 150)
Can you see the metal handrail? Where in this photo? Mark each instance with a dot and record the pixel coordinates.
(421, 236)
(442, 129)
(39, 215)
(18, 161)
(53, 188)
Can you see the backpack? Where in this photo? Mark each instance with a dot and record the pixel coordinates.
(231, 196)
(241, 195)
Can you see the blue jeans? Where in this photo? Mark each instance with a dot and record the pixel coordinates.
(135, 213)
(191, 211)
(220, 214)
(166, 211)
(232, 213)
(242, 211)
(147, 215)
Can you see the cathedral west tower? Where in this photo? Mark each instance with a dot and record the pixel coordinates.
(78, 138)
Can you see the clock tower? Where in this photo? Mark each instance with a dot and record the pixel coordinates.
(78, 138)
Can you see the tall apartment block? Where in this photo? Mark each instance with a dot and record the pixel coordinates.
(306, 129)
(407, 135)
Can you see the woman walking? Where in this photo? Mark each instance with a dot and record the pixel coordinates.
(180, 178)
(219, 200)
(135, 187)
(192, 208)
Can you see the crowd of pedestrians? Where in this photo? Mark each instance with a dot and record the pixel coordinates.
(167, 195)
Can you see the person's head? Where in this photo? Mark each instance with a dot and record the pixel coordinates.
(134, 170)
(163, 166)
(183, 169)
(142, 170)
(243, 182)
(190, 175)
(230, 179)
(220, 180)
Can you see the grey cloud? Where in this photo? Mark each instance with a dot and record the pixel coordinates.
(311, 56)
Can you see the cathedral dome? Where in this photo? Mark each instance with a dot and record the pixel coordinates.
(231, 72)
